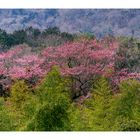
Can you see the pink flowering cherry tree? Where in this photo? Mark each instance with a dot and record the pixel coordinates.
(82, 61)
(20, 64)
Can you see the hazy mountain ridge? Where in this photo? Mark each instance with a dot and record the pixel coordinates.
(99, 22)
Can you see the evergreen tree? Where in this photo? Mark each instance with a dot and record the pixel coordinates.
(52, 114)
(101, 103)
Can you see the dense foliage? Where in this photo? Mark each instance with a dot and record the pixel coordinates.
(35, 38)
(81, 84)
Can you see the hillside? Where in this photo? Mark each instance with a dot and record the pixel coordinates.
(99, 22)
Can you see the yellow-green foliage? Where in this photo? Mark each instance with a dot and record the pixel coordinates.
(127, 109)
(52, 114)
(95, 113)
(19, 93)
(23, 103)
(129, 98)
(53, 84)
(81, 118)
(100, 103)
(50, 107)
(6, 121)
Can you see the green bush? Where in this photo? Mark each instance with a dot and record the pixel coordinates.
(129, 125)
(81, 118)
(6, 120)
(127, 106)
(129, 98)
(20, 92)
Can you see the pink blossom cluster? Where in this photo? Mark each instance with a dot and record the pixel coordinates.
(82, 60)
(85, 58)
(15, 64)
(123, 75)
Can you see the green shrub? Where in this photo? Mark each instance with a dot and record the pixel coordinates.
(6, 121)
(127, 106)
(81, 118)
(23, 103)
(129, 98)
(19, 93)
(129, 125)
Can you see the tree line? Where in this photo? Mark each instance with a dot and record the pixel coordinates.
(33, 37)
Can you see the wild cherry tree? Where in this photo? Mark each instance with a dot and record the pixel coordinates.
(19, 63)
(82, 61)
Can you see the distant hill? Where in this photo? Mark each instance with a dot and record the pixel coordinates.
(98, 22)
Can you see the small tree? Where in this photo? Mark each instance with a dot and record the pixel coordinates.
(82, 61)
(100, 103)
(53, 114)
